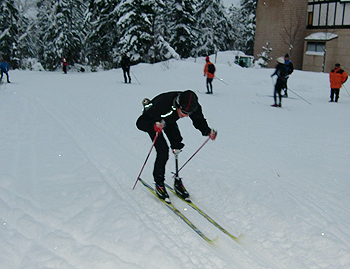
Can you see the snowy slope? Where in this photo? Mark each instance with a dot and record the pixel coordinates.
(70, 154)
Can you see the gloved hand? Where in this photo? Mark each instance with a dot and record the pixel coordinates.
(158, 127)
(213, 134)
(177, 146)
(176, 151)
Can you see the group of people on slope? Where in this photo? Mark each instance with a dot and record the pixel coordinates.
(209, 71)
(284, 68)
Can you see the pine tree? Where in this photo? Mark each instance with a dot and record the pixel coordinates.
(104, 32)
(27, 37)
(264, 57)
(137, 22)
(59, 31)
(216, 31)
(183, 27)
(248, 17)
(8, 29)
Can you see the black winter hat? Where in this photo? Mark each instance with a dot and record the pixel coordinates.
(286, 56)
(187, 101)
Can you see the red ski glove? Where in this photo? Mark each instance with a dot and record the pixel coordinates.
(158, 127)
(213, 134)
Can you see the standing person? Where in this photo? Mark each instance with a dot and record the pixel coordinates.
(125, 63)
(161, 113)
(337, 77)
(209, 72)
(4, 68)
(290, 69)
(281, 73)
(64, 62)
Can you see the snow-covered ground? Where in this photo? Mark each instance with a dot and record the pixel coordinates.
(70, 153)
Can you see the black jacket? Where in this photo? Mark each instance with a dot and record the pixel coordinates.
(281, 72)
(162, 107)
(125, 62)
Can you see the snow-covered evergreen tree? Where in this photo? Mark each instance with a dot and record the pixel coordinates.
(27, 37)
(183, 33)
(8, 29)
(248, 17)
(264, 56)
(104, 32)
(137, 23)
(215, 29)
(60, 32)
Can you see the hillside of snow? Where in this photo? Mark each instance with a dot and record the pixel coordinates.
(70, 154)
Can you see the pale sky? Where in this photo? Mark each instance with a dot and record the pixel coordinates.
(228, 3)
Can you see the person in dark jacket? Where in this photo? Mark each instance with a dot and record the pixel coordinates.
(281, 73)
(160, 114)
(125, 64)
(289, 68)
(337, 77)
(4, 69)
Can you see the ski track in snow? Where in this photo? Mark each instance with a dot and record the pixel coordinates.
(70, 155)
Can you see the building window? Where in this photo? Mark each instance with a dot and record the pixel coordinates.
(315, 48)
(325, 14)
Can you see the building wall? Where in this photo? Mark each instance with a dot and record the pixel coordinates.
(337, 51)
(281, 23)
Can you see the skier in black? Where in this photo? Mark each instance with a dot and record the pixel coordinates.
(161, 113)
(281, 72)
(125, 63)
(289, 68)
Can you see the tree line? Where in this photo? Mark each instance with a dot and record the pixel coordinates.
(96, 33)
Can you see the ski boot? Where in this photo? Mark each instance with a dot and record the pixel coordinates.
(162, 193)
(181, 190)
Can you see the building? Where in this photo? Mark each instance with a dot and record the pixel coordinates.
(315, 33)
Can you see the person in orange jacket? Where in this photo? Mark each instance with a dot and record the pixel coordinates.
(209, 72)
(337, 77)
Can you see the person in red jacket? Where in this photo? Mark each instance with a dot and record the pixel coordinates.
(337, 77)
(64, 63)
(209, 72)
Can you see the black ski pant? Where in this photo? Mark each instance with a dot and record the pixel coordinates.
(209, 85)
(162, 150)
(335, 92)
(126, 71)
(278, 88)
(7, 75)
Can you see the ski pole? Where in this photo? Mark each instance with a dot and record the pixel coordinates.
(149, 153)
(176, 153)
(300, 96)
(193, 155)
(346, 89)
(221, 80)
(135, 77)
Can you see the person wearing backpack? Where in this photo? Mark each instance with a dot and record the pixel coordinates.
(281, 73)
(290, 68)
(209, 72)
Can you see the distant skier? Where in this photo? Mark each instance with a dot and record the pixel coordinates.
(281, 73)
(209, 72)
(161, 113)
(290, 68)
(125, 64)
(337, 78)
(4, 68)
(64, 65)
